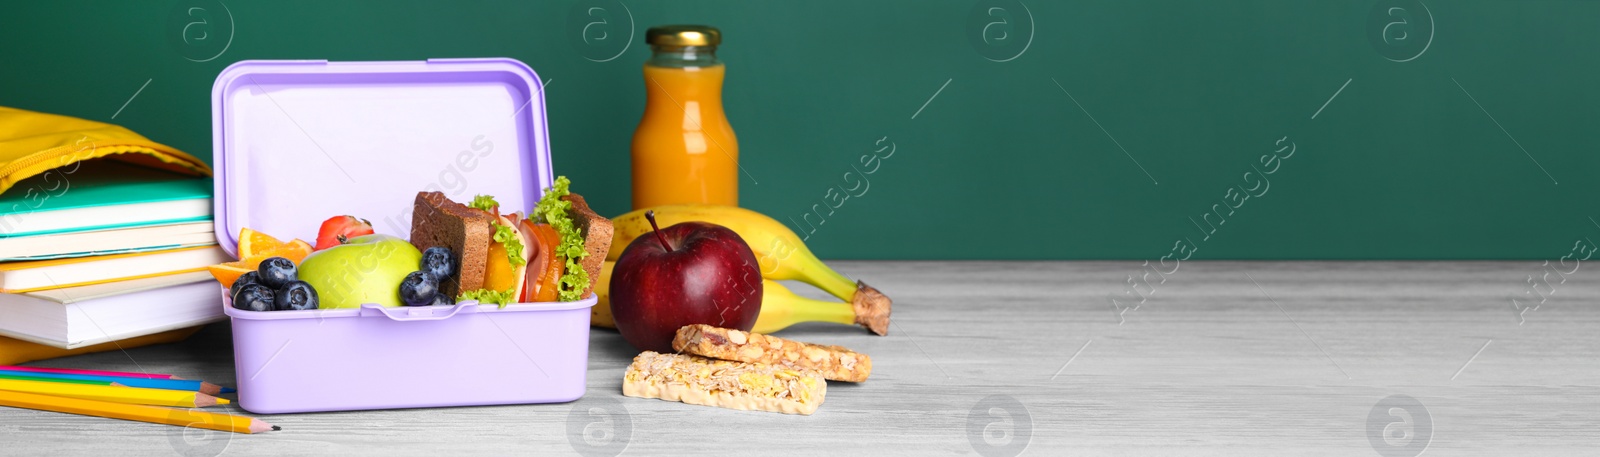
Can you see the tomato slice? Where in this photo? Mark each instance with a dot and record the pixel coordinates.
(536, 264)
(551, 271)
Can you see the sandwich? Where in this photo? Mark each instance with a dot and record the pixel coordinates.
(552, 253)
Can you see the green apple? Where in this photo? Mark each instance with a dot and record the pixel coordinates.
(366, 269)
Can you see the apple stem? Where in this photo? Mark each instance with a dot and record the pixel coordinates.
(651, 215)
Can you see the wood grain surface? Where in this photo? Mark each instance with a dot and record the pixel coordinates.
(1002, 358)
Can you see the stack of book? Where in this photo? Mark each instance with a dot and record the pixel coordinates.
(106, 251)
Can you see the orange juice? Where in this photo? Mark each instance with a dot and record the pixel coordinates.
(684, 150)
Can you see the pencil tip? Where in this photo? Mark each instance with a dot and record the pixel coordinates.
(276, 428)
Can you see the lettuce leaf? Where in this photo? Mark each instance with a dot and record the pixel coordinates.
(488, 296)
(507, 237)
(485, 203)
(552, 210)
(504, 234)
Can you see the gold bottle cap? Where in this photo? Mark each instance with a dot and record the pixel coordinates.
(683, 35)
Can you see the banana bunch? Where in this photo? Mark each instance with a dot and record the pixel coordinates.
(782, 256)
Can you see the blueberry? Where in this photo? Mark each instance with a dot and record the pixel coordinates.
(298, 295)
(254, 297)
(439, 261)
(419, 289)
(277, 272)
(443, 300)
(244, 280)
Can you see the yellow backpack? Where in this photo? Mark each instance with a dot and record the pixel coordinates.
(32, 143)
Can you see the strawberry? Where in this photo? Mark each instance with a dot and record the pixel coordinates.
(339, 229)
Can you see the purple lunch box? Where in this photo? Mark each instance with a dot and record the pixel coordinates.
(297, 142)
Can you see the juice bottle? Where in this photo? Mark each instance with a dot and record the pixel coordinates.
(684, 150)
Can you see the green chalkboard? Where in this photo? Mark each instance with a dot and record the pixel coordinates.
(1019, 129)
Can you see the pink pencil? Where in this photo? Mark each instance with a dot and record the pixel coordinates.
(88, 372)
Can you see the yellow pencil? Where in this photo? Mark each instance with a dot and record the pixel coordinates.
(115, 393)
(142, 413)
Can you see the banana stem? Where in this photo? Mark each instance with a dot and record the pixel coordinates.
(781, 308)
(810, 310)
(834, 283)
(869, 307)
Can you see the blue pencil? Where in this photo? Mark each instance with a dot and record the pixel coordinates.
(168, 384)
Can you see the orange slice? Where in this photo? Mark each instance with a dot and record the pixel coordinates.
(295, 251)
(255, 247)
(253, 243)
(227, 273)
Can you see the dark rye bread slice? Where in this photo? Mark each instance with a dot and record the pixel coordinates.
(467, 231)
(597, 234)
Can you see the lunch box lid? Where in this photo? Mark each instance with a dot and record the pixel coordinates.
(296, 142)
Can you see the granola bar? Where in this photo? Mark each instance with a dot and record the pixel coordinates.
(834, 363)
(733, 385)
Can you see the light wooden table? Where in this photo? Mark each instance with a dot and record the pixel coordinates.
(984, 358)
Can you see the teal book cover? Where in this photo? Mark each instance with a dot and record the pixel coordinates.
(89, 190)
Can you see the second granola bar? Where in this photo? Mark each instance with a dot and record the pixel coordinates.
(834, 363)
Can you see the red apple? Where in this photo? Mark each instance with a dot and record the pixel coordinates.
(689, 273)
